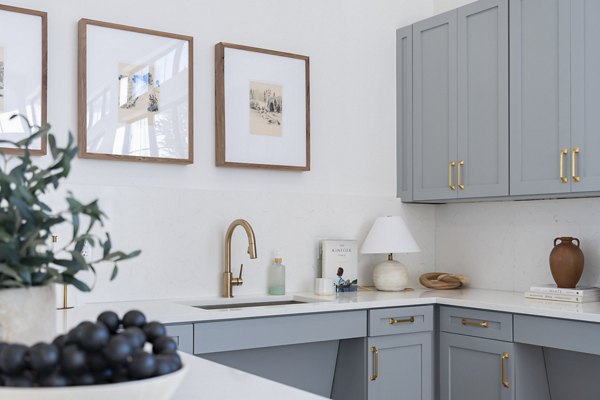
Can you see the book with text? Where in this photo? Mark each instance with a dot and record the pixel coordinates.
(577, 291)
(339, 261)
(562, 297)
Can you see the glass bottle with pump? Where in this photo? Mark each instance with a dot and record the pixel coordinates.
(277, 276)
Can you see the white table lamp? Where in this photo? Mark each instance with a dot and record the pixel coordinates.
(389, 235)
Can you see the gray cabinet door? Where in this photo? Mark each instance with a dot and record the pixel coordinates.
(401, 366)
(483, 99)
(585, 96)
(539, 96)
(183, 335)
(471, 368)
(434, 107)
(404, 141)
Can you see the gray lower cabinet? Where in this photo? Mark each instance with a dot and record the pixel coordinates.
(460, 103)
(183, 334)
(400, 353)
(554, 97)
(303, 351)
(473, 368)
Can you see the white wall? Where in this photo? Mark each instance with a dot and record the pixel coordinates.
(178, 214)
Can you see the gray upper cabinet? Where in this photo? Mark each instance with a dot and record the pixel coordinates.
(585, 95)
(404, 109)
(460, 103)
(434, 106)
(540, 101)
(555, 95)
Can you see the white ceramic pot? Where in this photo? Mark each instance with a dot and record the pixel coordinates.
(28, 315)
(390, 276)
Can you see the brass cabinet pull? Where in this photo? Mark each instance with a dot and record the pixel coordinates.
(561, 163)
(460, 185)
(573, 170)
(451, 165)
(394, 321)
(375, 363)
(505, 356)
(483, 324)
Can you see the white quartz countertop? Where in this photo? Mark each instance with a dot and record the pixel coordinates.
(214, 381)
(182, 310)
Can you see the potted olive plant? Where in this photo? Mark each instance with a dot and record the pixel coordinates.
(30, 264)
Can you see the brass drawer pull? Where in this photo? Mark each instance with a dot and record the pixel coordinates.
(394, 321)
(483, 324)
(451, 165)
(375, 363)
(561, 162)
(573, 165)
(505, 356)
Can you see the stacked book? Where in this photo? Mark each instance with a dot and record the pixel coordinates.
(579, 294)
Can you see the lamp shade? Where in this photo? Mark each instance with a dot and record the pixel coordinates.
(389, 235)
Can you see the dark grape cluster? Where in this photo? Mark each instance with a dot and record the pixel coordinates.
(106, 351)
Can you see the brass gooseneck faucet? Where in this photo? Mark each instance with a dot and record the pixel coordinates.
(228, 280)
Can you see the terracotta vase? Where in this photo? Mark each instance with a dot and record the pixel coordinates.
(566, 262)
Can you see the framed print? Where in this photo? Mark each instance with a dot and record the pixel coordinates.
(23, 69)
(135, 94)
(262, 108)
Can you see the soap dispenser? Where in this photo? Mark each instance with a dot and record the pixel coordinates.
(277, 276)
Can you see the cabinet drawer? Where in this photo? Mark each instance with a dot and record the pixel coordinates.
(481, 323)
(391, 321)
(253, 333)
(558, 333)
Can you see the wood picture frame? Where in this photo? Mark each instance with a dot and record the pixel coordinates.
(135, 94)
(262, 107)
(23, 76)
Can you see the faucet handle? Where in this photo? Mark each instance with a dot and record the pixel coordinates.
(238, 281)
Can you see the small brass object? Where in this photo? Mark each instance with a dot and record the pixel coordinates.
(574, 175)
(394, 321)
(460, 185)
(483, 324)
(375, 353)
(450, 166)
(505, 356)
(561, 163)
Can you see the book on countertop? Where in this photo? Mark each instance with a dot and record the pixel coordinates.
(563, 297)
(577, 291)
(339, 261)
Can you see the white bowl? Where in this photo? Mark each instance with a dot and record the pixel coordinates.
(157, 388)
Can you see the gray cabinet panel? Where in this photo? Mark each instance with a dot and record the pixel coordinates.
(405, 367)
(558, 333)
(482, 323)
(404, 109)
(183, 336)
(252, 333)
(483, 98)
(539, 95)
(398, 320)
(471, 368)
(434, 106)
(585, 91)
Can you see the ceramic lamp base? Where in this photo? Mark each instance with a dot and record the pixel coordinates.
(390, 276)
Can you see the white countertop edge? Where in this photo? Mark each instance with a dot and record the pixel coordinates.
(173, 311)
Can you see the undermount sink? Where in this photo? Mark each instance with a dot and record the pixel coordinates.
(247, 305)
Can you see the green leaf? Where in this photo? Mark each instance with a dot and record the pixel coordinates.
(115, 271)
(71, 280)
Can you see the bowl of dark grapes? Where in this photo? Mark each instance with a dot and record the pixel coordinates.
(111, 358)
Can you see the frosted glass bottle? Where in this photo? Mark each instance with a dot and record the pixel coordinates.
(277, 277)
